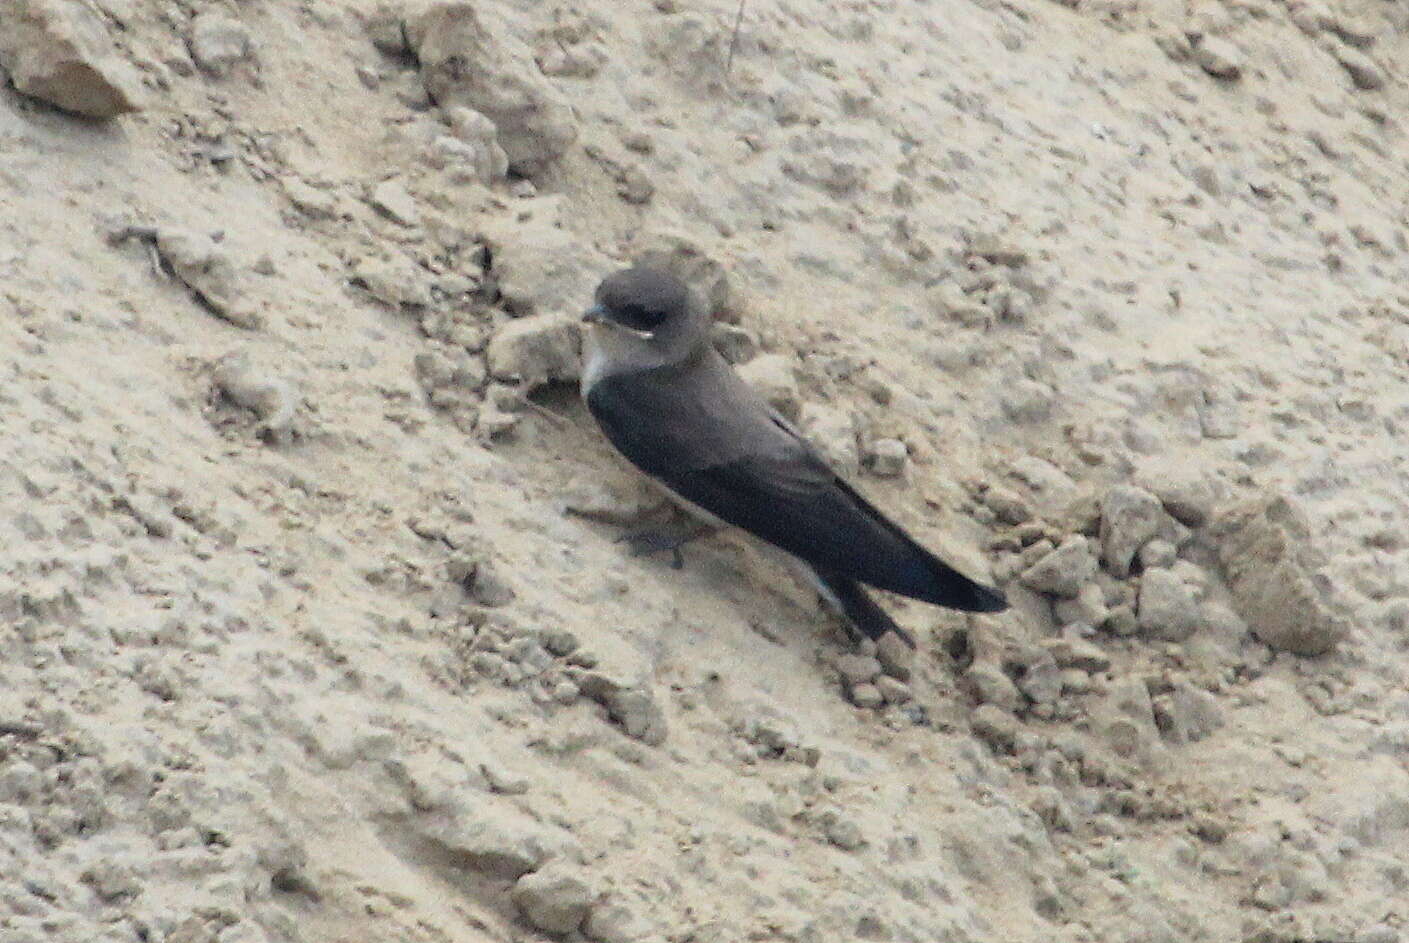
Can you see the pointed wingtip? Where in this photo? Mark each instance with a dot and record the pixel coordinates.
(988, 599)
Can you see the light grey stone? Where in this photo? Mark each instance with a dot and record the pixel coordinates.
(555, 899)
(1168, 609)
(59, 51)
(539, 349)
(1130, 517)
(1063, 571)
(775, 379)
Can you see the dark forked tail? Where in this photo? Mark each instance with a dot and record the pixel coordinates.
(859, 608)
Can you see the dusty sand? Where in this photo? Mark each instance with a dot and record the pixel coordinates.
(301, 641)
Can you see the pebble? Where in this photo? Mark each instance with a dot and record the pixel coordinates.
(207, 269)
(466, 64)
(555, 898)
(897, 659)
(1363, 71)
(1219, 57)
(992, 686)
(395, 202)
(1088, 607)
(473, 130)
(866, 695)
(1157, 554)
(775, 379)
(844, 833)
(834, 433)
(857, 669)
(489, 588)
(631, 705)
(1009, 506)
(1078, 653)
(1167, 608)
(219, 42)
(61, 53)
(1187, 714)
(252, 386)
(996, 727)
(893, 690)
(1039, 678)
(393, 280)
(1063, 571)
(1121, 621)
(536, 350)
(1271, 559)
(887, 458)
(1130, 517)
(610, 922)
(541, 268)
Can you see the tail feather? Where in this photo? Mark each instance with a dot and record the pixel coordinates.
(859, 608)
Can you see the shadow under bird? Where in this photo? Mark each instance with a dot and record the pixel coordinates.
(670, 403)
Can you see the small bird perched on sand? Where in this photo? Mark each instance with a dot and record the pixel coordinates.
(675, 408)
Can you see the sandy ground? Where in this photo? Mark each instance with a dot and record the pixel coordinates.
(304, 636)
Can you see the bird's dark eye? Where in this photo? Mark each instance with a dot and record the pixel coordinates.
(640, 317)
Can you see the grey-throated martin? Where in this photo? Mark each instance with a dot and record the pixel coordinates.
(675, 408)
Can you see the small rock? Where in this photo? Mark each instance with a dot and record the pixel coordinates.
(488, 588)
(1027, 401)
(477, 132)
(1130, 517)
(205, 267)
(1363, 71)
(775, 379)
(312, 202)
(112, 880)
(949, 301)
(614, 923)
(387, 33)
(1063, 571)
(1087, 608)
(887, 458)
(897, 659)
(1187, 714)
(866, 696)
(1039, 678)
(1219, 58)
(394, 201)
(857, 669)
(542, 268)
(893, 690)
(1188, 496)
(991, 686)
(539, 349)
(1157, 554)
(465, 64)
(271, 398)
(59, 51)
(394, 280)
(219, 42)
(1078, 653)
(631, 705)
(1009, 506)
(996, 727)
(1272, 562)
(1167, 608)
(554, 899)
(634, 186)
(844, 833)
(1127, 717)
(834, 434)
(1121, 621)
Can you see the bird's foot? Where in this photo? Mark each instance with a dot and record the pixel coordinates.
(646, 542)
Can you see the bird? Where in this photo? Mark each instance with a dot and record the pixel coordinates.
(667, 400)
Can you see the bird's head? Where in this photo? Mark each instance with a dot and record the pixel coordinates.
(648, 304)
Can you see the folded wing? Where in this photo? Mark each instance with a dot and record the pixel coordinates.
(708, 438)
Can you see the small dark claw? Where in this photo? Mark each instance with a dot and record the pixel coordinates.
(643, 543)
